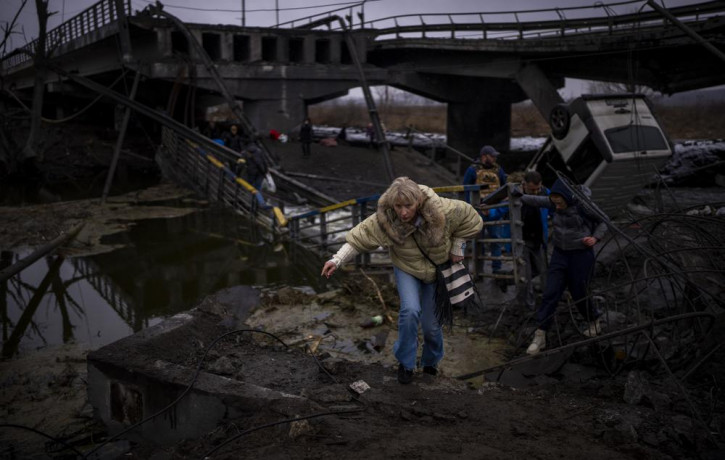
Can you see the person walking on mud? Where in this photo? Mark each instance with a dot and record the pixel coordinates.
(409, 215)
(306, 137)
(575, 232)
(370, 133)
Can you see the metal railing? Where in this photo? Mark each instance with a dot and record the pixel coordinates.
(349, 12)
(98, 15)
(113, 294)
(208, 172)
(323, 230)
(597, 18)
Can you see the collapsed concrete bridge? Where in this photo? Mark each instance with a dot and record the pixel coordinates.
(477, 66)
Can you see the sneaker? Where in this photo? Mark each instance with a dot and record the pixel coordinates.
(593, 329)
(405, 376)
(430, 370)
(538, 344)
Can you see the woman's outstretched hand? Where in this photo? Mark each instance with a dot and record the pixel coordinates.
(328, 269)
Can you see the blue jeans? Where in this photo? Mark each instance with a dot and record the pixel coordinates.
(255, 181)
(417, 306)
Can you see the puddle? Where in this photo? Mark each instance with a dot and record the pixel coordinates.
(163, 266)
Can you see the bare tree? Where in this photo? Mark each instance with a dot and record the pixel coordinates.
(8, 29)
(7, 148)
(40, 59)
(384, 97)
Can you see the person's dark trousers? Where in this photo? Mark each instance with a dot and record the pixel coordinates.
(255, 181)
(305, 149)
(534, 256)
(567, 269)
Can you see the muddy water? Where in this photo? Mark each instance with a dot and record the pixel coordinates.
(330, 325)
(161, 267)
(164, 266)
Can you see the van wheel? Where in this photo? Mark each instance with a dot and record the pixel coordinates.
(559, 121)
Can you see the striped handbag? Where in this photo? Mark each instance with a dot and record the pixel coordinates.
(454, 289)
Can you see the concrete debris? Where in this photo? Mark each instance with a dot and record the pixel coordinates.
(300, 428)
(635, 388)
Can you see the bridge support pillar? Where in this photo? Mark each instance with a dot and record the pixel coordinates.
(279, 114)
(479, 109)
(486, 119)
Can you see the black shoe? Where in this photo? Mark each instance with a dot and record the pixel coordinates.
(430, 370)
(404, 375)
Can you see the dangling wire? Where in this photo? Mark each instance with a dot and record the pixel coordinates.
(70, 117)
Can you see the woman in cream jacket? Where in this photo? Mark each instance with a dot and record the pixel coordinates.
(406, 213)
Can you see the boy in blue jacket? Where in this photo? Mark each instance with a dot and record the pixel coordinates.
(575, 232)
(535, 233)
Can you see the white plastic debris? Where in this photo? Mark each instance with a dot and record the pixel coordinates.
(359, 387)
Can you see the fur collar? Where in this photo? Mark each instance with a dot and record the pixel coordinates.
(431, 211)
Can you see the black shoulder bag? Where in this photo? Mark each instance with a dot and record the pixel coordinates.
(454, 289)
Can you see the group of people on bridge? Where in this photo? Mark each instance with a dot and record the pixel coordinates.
(422, 230)
(252, 165)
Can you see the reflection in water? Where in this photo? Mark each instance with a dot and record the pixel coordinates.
(166, 266)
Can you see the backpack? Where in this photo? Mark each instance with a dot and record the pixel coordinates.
(488, 179)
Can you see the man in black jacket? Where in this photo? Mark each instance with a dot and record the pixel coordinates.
(306, 137)
(256, 165)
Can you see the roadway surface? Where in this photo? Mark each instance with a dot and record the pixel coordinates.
(353, 172)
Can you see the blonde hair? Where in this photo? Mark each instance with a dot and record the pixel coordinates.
(403, 190)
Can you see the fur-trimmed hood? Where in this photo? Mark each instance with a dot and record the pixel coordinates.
(431, 225)
(441, 222)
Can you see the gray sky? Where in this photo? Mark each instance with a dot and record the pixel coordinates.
(264, 13)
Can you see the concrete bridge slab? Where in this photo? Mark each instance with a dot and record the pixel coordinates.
(137, 377)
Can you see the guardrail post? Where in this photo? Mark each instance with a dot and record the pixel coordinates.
(294, 230)
(254, 205)
(498, 200)
(123, 31)
(207, 180)
(236, 200)
(94, 16)
(220, 186)
(323, 231)
(517, 238)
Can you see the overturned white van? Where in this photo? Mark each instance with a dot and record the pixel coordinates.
(611, 143)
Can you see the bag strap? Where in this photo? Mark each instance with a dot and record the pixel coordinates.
(423, 252)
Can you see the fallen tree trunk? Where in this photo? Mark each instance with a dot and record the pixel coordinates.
(38, 253)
